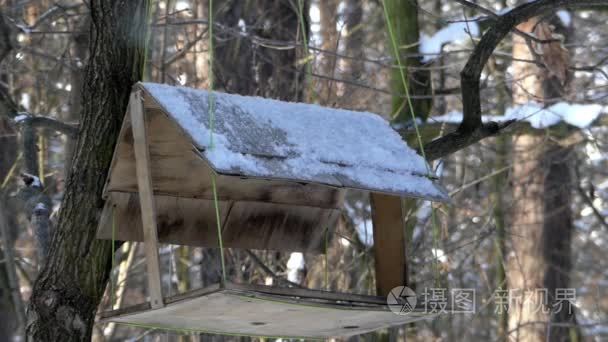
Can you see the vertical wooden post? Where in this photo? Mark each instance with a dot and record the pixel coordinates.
(146, 198)
(389, 242)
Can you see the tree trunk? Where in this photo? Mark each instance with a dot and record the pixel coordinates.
(73, 280)
(246, 68)
(541, 228)
(330, 35)
(9, 315)
(403, 16)
(354, 41)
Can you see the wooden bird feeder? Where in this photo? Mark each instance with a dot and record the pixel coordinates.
(281, 171)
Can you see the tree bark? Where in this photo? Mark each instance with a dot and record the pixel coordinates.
(541, 228)
(250, 69)
(403, 16)
(9, 309)
(72, 282)
(354, 41)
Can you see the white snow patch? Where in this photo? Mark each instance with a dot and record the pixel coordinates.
(439, 254)
(454, 33)
(40, 206)
(565, 17)
(453, 117)
(294, 265)
(364, 228)
(21, 117)
(182, 6)
(534, 114)
(25, 101)
(578, 115)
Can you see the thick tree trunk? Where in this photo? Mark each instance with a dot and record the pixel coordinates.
(541, 228)
(354, 41)
(403, 16)
(72, 282)
(250, 69)
(9, 315)
(558, 229)
(526, 263)
(330, 36)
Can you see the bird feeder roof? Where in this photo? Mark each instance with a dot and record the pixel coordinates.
(255, 137)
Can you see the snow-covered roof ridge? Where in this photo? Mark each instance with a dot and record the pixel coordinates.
(258, 137)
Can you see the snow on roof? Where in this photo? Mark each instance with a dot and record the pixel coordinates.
(578, 115)
(257, 137)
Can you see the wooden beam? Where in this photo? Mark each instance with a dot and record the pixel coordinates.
(389, 242)
(146, 195)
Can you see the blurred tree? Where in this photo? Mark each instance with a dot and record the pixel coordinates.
(247, 67)
(541, 227)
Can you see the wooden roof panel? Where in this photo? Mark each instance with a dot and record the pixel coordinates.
(262, 138)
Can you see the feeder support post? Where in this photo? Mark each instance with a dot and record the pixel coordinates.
(146, 198)
(389, 242)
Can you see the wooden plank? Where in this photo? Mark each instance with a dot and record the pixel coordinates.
(389, 242)
(246, 311)
(349, 298)
(125, 129)
(179, 170)
(256, 225)
(180, 221)
(148, 209)
(189, 221)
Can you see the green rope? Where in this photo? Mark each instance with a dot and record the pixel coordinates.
(326, 260)
(211, 145)
(404, 80)
(113, 257)
(418, 135)
(148, 5)
(306, 51)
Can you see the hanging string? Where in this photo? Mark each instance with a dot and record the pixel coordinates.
(307, 57)
(112, 280)
(211, 146)
(144, 61)
(418, 135)
(326, 260)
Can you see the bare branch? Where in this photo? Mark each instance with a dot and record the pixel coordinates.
(36, 121)
(494, 16)
(471, 129)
